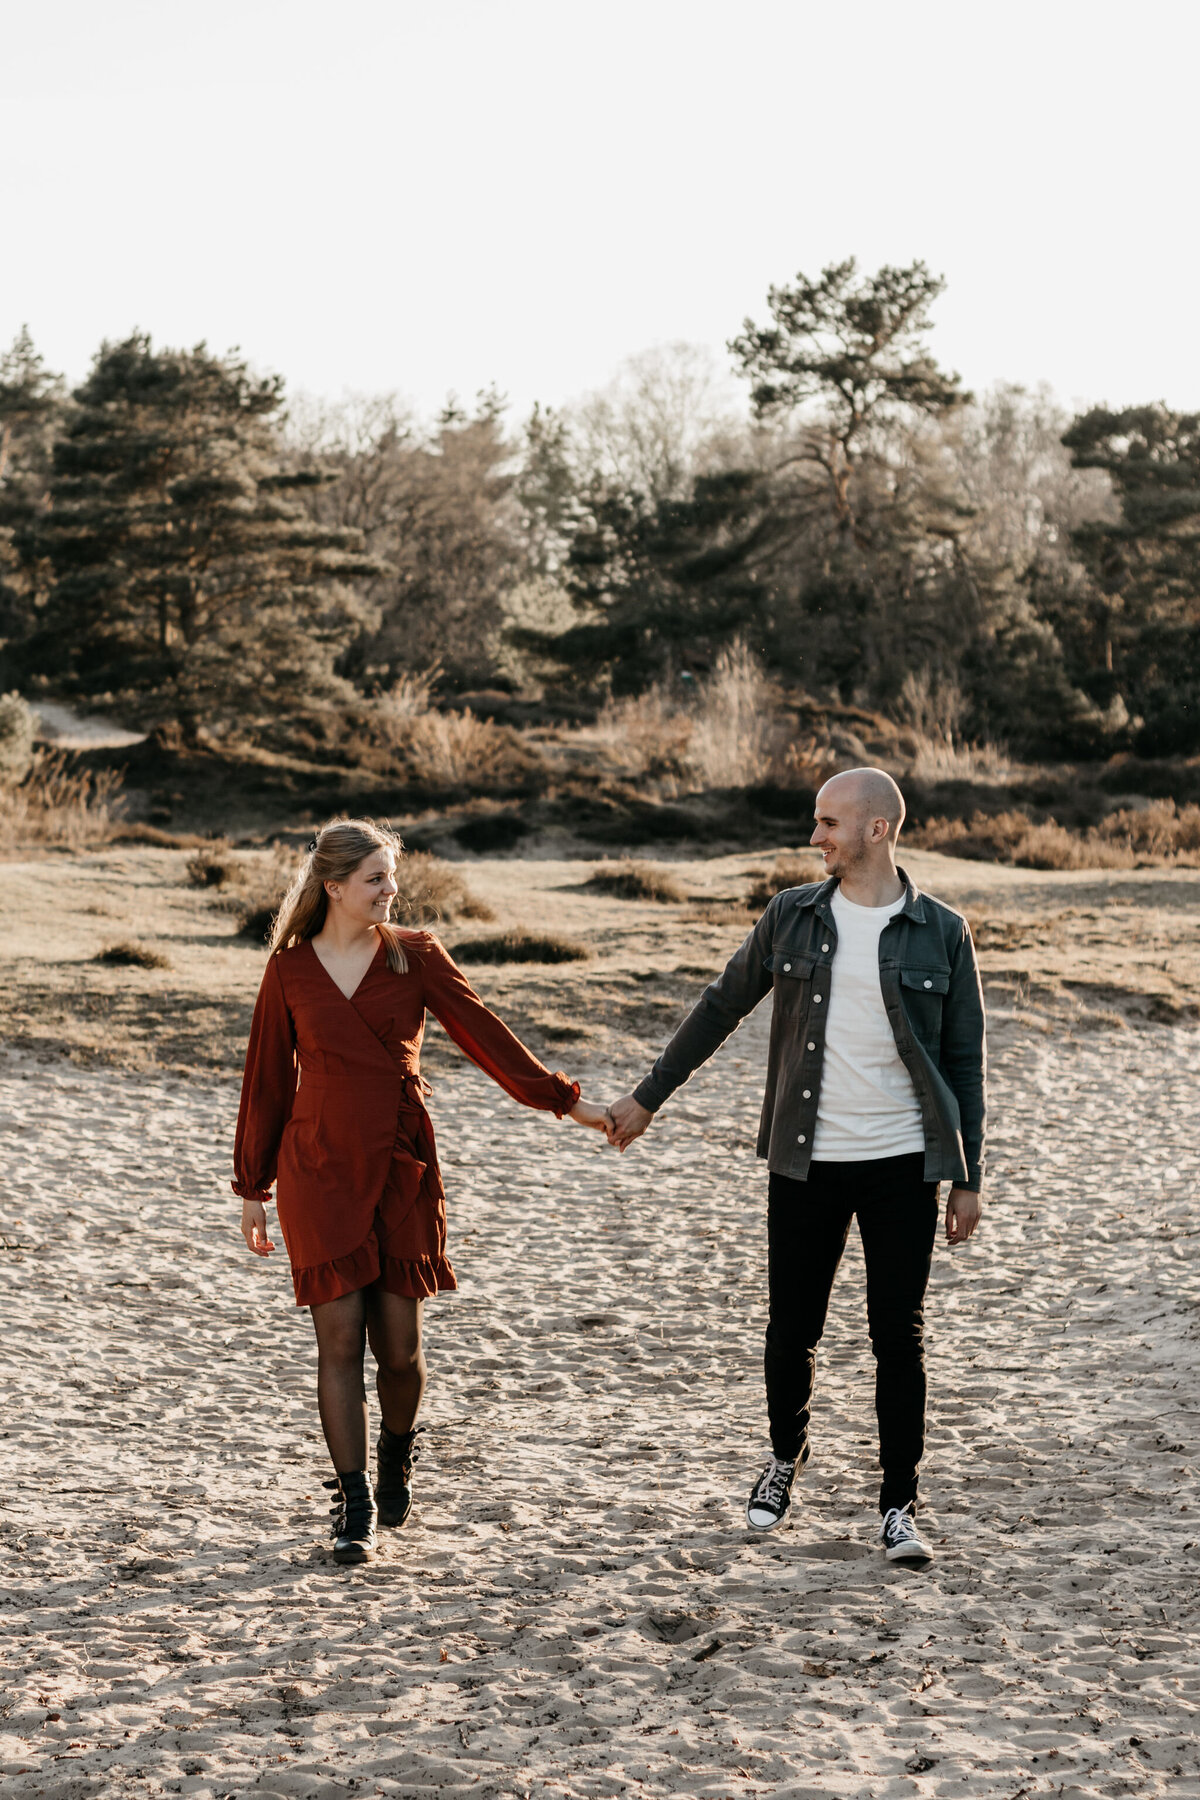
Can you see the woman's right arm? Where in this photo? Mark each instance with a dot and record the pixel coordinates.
(268, 1090)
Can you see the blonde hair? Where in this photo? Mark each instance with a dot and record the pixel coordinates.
(334, 854)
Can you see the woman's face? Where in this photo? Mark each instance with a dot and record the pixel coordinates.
(366, 896)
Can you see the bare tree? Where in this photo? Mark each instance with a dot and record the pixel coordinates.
(670, 414)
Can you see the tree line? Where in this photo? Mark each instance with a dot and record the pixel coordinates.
(179, 541)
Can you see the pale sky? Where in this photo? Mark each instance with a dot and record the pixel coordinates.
(379, 195)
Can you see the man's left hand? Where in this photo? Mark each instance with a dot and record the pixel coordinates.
(963, 1211)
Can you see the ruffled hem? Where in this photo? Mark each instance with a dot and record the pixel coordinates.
(568, 1092)
(244, 1191)
(415, 1278)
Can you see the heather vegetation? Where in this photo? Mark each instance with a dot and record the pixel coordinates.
(662, 614)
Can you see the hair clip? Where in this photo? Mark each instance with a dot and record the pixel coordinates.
(312, 844)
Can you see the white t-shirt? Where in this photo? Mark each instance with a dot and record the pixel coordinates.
(867, 1106)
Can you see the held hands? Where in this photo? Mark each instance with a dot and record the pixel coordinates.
(254, 1227)
(620, 1123)
(587, 1112)
(627, 1120)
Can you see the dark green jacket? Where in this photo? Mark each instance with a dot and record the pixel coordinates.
(934, 1000)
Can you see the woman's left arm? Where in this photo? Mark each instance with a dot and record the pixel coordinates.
(488, 1041)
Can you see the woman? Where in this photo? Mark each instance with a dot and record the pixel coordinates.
(332, 1103)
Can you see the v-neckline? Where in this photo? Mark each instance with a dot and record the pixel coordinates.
(341, 990)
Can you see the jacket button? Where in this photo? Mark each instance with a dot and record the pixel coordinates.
(787, 968)
(801, 1138)
(812, 1046)
(816, 999)
(929, 984)
(824, 946)
(807, 1094)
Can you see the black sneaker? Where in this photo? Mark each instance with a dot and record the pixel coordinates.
(771, 1495)
(901, 1540)
(396, 1452)
(353, 1515)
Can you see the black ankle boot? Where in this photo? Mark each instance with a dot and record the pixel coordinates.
(396, 1452)
(353, 1515)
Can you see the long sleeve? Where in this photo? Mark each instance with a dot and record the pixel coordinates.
(268, 1090)
(720, 1010)
(487, 1040)
(964, 1054)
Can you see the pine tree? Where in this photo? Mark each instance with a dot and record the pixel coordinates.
(32, 404)
(1145, 567)
(845, 355)
(188, 581)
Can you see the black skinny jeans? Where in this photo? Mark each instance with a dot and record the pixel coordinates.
(808, 1223)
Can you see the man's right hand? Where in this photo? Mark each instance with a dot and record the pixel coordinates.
(629, 1120)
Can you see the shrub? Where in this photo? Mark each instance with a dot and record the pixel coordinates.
(132, 956)
(520, 946)
(1161, 829)
(789, 872)
(256, 921)
(16, 739)
(636, 881)
(212, 867)
(1013, 837)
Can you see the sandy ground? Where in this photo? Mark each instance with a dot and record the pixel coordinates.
(576, 1607)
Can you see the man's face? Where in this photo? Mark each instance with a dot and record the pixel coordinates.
(841, 831)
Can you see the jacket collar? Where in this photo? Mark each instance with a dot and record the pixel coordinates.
(821, 893)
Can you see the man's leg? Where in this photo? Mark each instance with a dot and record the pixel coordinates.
(807, 1225)
(897, 1219)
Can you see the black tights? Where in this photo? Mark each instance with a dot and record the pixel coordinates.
(392, 1325)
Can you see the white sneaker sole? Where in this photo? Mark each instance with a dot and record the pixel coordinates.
(915, 1552)
(765, 1521)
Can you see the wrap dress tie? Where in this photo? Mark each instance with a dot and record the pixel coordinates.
(333, 1112)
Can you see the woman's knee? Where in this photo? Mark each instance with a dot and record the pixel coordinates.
(342, 1346)
(399, 1355)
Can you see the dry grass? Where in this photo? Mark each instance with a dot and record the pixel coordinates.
(631, 880)
(451, 749)
(434, 892)
(58, 804)
(646, 737)
(947, 759)
(127, 955)
(1013, 837)
(1161, 829)
(737, 740)
(1160, 832)
(727, 731)
(520, 947)
(789, 872)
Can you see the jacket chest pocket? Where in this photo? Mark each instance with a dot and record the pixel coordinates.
(923, 992)
(793, 972)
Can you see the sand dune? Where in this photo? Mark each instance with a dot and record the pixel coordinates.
(576, 1608)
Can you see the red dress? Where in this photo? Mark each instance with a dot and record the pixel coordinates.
(333, 1106)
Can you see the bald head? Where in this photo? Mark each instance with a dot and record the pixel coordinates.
(867, 793)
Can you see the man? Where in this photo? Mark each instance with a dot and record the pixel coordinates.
(875, 1095)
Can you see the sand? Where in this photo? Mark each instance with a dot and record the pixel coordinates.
(576, 1607)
